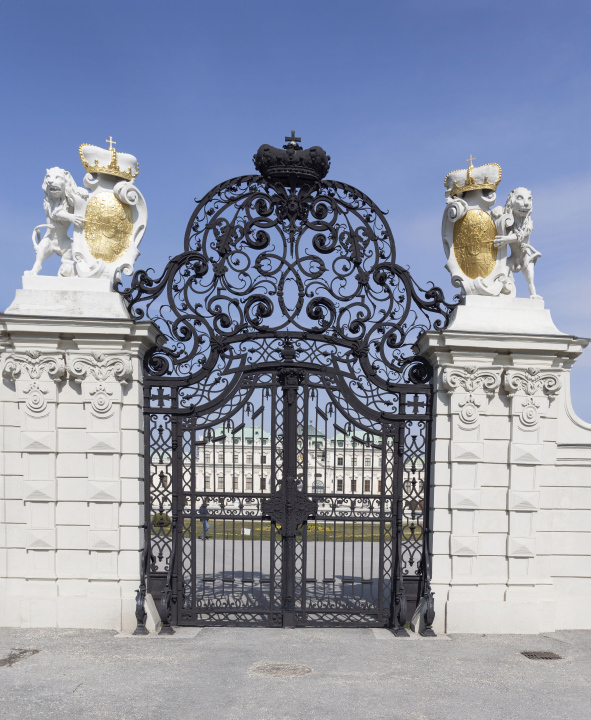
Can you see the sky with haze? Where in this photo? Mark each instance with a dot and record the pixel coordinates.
(398, 93)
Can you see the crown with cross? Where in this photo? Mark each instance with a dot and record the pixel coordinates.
(483, 177)
(292, 164)
(108, 161)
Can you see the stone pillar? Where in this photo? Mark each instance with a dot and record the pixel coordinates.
(72, 471)
(511, 473)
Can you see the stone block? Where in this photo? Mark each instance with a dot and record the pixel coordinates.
(71, 415)
(40, 563)
(39, 490)
(571, 566)
(441, 520)
(15, 562)
(465, 499)
(467, 451)
(104, 491)
(571, 498)
(524, 501)
(103, 540)
(496, 521)
(72, 537)
(132, 466)
(132, 441)
(104, 589)
(492, 567)
(13, 488)
(464, 545)
(104, 565)
(564, 520)
(131, 514)
(39, 612)
(440, 498)
(441, 567)
(72, 489)
(32, 441)
(521, 547)
(494, 498)
(103, 442)
(72, 588)
(570, 476)
(73, 564)
(71, 465)
(497, 427)
(71, 513)
(15, 535)
(71, 440)
(493, 475)
(464, 522)
(440, 543)
(104, 516)
(103, 466)
(129, 565)
(492, 544)
(496, 451)
(465, 475)
(132, 490)
(132, 417)
(14, 511)
(40, 588)
(531, 454)
(132, 538)
(13, 461)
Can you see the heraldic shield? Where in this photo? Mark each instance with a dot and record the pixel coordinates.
(115, 214)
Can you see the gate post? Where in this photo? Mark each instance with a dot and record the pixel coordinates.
(511, 472)
(72, 447)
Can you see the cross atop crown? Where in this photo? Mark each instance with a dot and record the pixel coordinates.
(293, 140)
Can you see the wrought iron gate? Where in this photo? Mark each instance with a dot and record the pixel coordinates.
(287, 416)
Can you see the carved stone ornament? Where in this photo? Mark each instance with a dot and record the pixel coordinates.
(36, 401)
(100, 366)
(532, 381)
(34, 363)
(109, 221)
(530, 415)
(471, 379)
(469, 410)
(476, 238)
(101, 402)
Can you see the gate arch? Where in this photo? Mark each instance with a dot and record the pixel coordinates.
(288, 335)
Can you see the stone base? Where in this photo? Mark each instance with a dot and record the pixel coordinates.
(506, 315)
(48, 296)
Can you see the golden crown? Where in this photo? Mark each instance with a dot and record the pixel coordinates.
(483, 177)
(108, 161)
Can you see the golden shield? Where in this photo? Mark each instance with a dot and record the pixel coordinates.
(474, 237)
(108, 225)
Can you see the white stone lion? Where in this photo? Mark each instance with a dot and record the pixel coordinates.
(63, 203)
(517, 224)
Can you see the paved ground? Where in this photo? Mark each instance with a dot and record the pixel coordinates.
(233, 674)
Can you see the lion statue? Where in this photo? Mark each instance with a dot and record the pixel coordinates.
(63, 204)
(517, 224)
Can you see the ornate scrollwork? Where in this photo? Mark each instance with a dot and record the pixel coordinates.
(265, 260)
(532, 381)
(100, 366)
(35, 363)
(471, 378)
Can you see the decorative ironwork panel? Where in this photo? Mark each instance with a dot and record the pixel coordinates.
(288, 411)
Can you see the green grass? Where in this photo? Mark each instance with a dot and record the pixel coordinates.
(340, 531)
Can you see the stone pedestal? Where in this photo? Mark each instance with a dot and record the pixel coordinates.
(512, 473)
(72, 472)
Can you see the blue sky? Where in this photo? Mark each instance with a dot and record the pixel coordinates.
(398, 93)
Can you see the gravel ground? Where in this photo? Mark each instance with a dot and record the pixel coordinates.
(236, 673)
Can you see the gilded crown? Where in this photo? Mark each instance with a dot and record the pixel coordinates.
(483, 177)
(292, 161)
(109, 161)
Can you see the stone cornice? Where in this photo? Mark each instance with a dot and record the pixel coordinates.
(34, 363)
(61, 364)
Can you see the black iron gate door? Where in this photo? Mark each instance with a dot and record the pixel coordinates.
(287, 415)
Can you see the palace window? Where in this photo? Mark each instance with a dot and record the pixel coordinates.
(220, 483)
(249, 483)
(340, 485)
(249, 458)
(366, 486)
(263, 459)
(263, 483)
(207, 457)
(340, 461)
(235, 482)
(379, 486)
(221, 457)
(236, 458)
(367, 462)
(208, 482)
(353, 485)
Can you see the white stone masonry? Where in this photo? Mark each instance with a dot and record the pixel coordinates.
(511, 473)
(71, 476)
